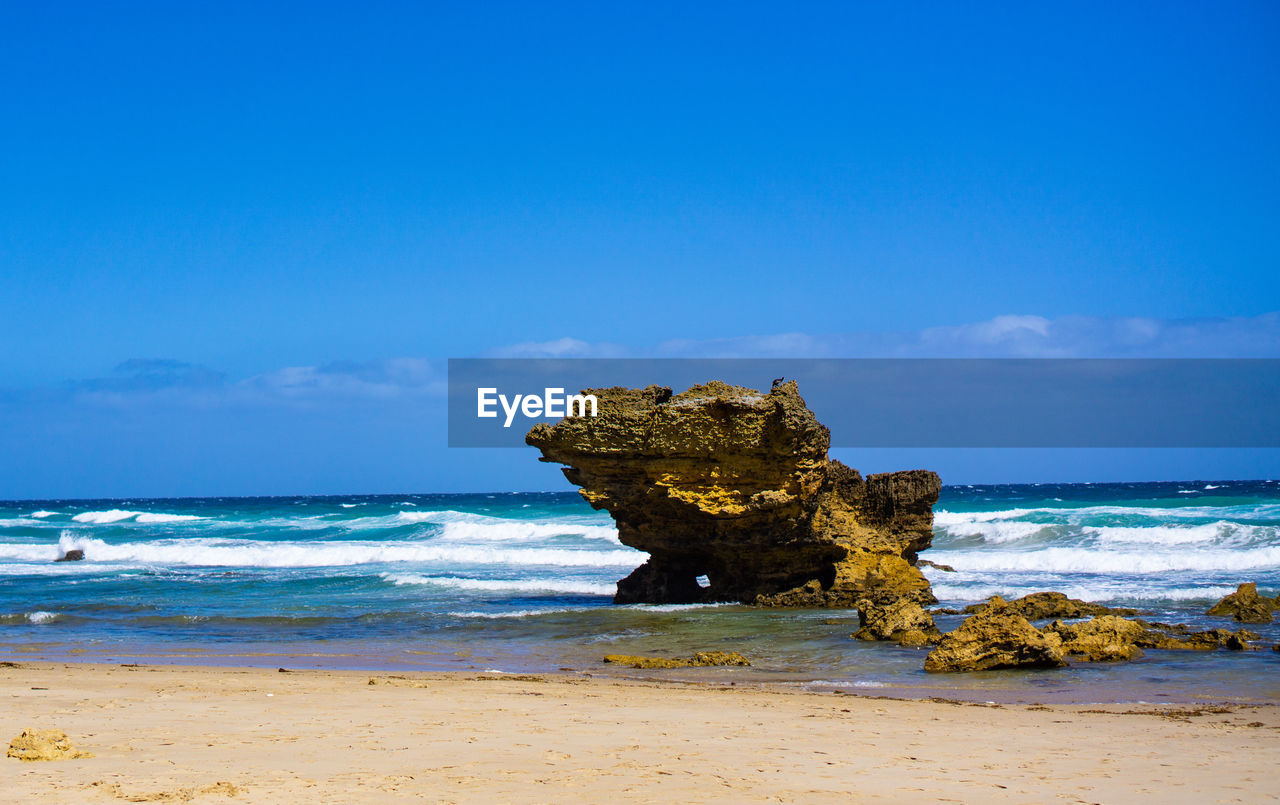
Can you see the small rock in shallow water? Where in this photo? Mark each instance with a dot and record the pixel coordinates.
(1200, 641)
(43, 745)
(1245, 605)
(903, 621)
(993, 640)
(1042, 606)
(702, 659)
(1106, 638)
(74, 555)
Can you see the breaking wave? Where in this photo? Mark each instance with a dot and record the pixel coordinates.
(1094, 560)
(504, 585)
(468, 527)
(120, 515)
(213, 552)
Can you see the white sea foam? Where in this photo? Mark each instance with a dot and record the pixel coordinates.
(944, 518)
(27, 552)
(42, 617)
(515, 613)
(468, 527)
(1095, 560)
(119, 515)
(678, 607)
(1099, 591)
(148, 517)
(998, 531)
(532, 585)
(42, 514)
(15, 522)
(109, 516)
(215, 552)
(1222, 532)
(1246, 512)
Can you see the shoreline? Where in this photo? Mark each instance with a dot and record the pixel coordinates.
(217, 734)
(1235, 678)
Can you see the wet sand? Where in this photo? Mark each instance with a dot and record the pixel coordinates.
(165, 733)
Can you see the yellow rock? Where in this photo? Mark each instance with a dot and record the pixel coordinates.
(702, 659)
(731, 493)
(43, 745)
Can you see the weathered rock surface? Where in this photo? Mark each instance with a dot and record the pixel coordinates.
(1106, 638)
(43, 745)
(73, 555)
(1042, 606)
(702, 659)
(735, 485)
(1245, 605)
(997, 636)
(991, 640)
(904, 621)
(1185, 640)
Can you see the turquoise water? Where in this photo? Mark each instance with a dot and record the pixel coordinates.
(523, 582)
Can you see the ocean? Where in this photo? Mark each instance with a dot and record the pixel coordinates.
(522, 583)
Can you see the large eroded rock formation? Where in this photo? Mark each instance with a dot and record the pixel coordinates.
(735, 485)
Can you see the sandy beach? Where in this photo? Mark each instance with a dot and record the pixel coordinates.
(260, 735)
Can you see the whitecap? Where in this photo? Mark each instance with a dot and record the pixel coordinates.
(109, 516)
(468, 527)
(1111, 591)
(515, 613)
(504, 585)
(148, 517)
(216, 552)
(1221, 532)
(1093, 560)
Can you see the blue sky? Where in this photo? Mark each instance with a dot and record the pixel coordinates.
(276, 219)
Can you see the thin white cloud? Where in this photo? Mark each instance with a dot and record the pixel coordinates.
(170, 382)
(1008, 336)
(560, 348)
(385, 380)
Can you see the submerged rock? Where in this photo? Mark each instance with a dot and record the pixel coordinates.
(702, 659)
(1245, 605)
(991, 640)
(1042, 606)
(731, 493)
(43, 745)
(904, 621)
(1186, 640)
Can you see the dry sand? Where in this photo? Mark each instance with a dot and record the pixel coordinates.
(251, 735)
